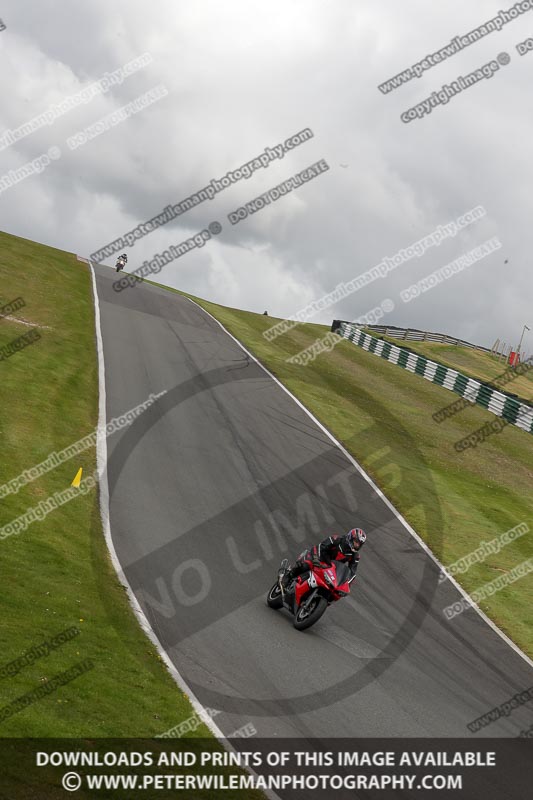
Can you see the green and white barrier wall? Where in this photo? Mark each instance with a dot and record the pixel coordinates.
(503, 405)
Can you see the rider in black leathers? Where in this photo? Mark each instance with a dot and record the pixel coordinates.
(121, 261)
(334, 548)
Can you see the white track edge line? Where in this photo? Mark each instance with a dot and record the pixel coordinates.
(378, 491)
(101, 465)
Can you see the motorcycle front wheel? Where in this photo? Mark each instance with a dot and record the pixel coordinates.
(274, 598)
(308, 615)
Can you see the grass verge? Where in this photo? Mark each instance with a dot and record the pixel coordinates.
(53, 574)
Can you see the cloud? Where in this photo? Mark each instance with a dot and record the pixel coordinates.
(243, 76)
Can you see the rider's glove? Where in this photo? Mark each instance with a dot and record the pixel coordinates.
(316, 561)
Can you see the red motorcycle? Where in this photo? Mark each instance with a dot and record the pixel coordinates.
(308, 595)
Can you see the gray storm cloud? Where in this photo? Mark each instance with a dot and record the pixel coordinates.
(243, 76)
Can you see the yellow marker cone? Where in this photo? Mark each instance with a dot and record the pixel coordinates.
(77, 480)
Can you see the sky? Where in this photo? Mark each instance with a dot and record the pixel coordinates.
(228, 80)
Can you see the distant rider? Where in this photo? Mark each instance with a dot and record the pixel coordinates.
(121, 261)
(334, 548)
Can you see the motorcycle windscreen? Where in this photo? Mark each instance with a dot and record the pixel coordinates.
(344, 573)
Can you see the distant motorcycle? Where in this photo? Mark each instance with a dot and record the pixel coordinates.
(308, 595)
(121, 263)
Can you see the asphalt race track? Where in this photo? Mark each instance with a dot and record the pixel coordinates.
(221, 478)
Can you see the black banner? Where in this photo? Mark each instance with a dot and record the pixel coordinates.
(291, 769)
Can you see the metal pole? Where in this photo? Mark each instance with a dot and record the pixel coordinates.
(524, 329)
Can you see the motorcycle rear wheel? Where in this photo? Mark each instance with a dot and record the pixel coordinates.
(274, 597)
(305, 618)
